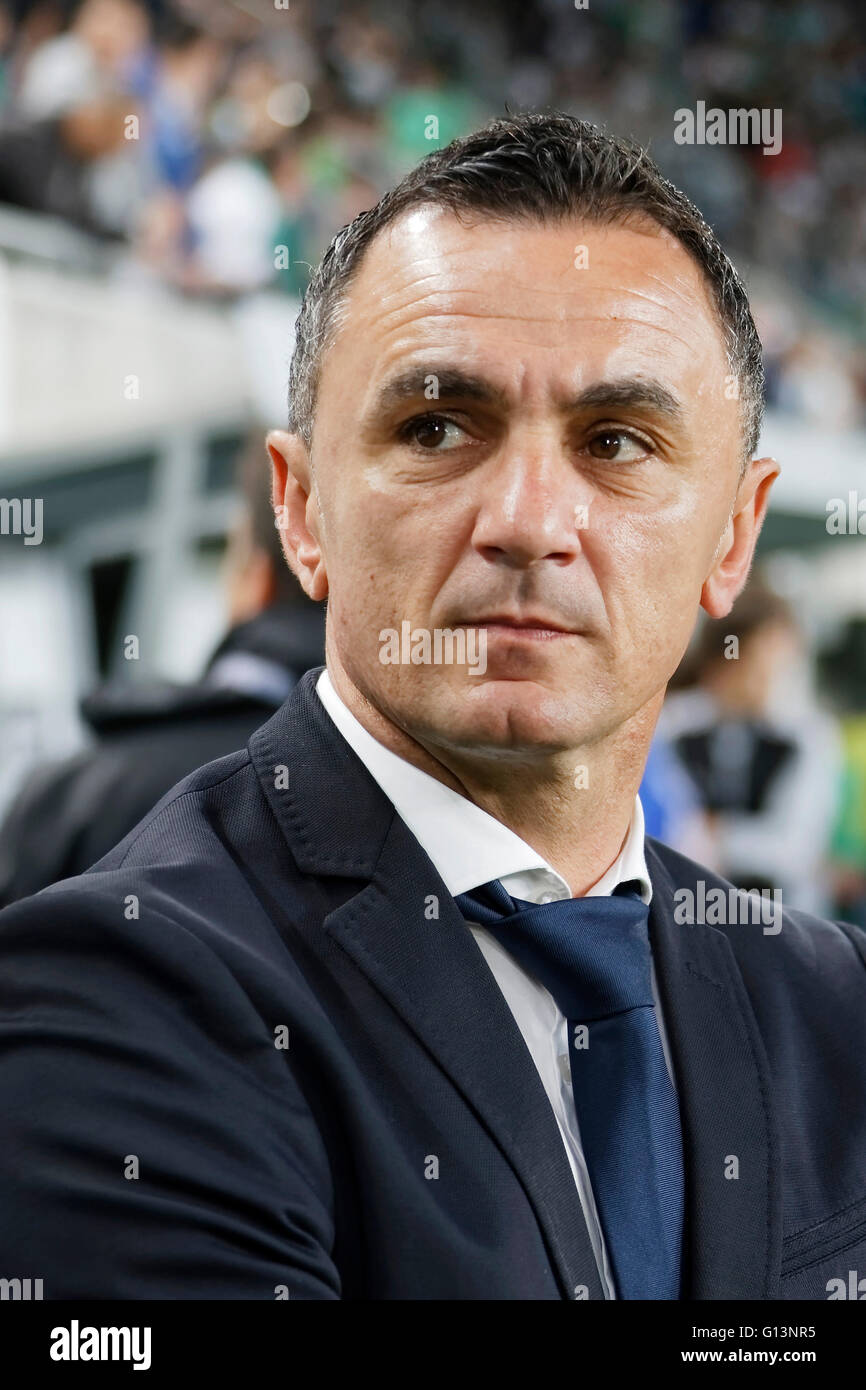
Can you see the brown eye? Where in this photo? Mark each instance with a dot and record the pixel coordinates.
(429, 433)
(605, 446)
(434, 433)
(617, 446)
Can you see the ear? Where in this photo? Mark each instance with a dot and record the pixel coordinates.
(296, 511)
(733, 557)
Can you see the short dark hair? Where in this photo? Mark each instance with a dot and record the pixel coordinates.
(535, 167)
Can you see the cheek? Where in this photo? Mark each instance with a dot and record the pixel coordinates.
(393, 547)
(650, 571)
(684, 536)
(377, 567)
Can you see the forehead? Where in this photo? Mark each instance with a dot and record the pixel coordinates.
(538, 305)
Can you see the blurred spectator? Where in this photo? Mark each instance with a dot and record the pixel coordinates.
(147, 737)
(425, 113)
(843, 669)
(848, 847)
(764, 758)
(96, 57)
(66, 146)
(182, 83)
(671, 805)
(234, 213)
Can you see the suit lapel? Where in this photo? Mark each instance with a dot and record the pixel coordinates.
(434, 975)
(339, 823)
(733, 1223)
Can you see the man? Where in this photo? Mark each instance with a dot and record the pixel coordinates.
(396, 1003)
(70, 813)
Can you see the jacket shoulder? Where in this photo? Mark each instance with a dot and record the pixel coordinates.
(190, 864)
(140, 1002)
(802, 940)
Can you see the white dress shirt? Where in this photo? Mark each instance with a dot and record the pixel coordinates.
(469, 847)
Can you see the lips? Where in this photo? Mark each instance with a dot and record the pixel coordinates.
(526, 621)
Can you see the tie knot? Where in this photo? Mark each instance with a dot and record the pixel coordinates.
(592, 954)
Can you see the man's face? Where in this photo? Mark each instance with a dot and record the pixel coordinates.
(505, 435)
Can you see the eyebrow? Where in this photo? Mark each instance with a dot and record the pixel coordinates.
(630, 393)
(450, 381)
(621, 394)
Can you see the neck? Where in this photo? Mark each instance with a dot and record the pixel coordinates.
(573, 807)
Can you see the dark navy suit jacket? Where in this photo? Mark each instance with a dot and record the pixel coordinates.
(161, 1140)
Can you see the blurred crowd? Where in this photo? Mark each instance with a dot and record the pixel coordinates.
(219, 145)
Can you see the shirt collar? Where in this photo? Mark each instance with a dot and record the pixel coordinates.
(468, 846)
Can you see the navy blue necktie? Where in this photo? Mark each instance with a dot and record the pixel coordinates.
(593, 955)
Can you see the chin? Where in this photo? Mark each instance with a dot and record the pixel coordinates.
(507, 717)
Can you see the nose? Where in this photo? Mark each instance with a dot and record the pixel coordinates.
(533, 506)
